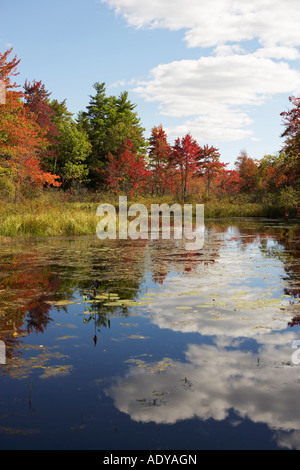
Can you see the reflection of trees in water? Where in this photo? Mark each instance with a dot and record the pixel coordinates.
(39, 273)
(291, 263)
(280, 241)
(34, 275)
(24, 290)
(170, 256)
(286, 248)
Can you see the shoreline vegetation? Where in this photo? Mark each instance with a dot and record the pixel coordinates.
(50, 215)
(57, 168)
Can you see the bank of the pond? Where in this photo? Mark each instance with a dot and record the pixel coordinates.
(49, 221)
(75, 218)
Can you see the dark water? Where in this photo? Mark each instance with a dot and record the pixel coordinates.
(144, 345)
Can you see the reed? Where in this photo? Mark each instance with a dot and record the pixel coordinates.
(50, 221)
(56, 218)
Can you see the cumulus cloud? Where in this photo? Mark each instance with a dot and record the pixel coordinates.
(225, 125)
(278, 52)
(213, 94)
(208, 23)
(213, 90)
(190, 87)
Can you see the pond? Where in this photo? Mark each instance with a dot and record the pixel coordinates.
(137, 344)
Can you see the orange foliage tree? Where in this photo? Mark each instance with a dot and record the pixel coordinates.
(21, 138)
(247, 169)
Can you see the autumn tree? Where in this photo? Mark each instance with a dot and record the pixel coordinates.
(228, 181)
(8, 69)
(208, 164)
(291, 148)
(247, 169)
(273, 172)
(21, 140)
(159, 154)
(37, 105)
(127, 170)
(184, 156)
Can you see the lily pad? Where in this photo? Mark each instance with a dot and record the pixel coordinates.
(56, 371)
(59, 303)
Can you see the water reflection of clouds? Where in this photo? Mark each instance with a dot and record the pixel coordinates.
(213, 380)
(262, 386)
(245, 311)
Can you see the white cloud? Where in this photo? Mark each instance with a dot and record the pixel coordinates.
(213, 95)
(191, 87)
(118, 83)
(208, 23)
(216, 92)
(278, 52)
(220, 126)
(228, 49)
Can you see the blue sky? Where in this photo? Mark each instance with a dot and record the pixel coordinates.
(220, 69)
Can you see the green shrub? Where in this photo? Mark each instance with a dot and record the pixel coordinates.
(7, 188)
(289, 200)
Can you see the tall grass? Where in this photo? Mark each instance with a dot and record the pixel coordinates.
(47, 217)
(222, 210)
(52, 222)
(51, 215)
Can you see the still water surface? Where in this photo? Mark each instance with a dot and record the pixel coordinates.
(144, 345)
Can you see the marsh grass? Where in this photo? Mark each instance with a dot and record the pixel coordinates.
(67, 219)
(49, 215)
(222, 210)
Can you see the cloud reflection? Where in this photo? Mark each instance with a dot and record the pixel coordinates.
(263, 387)
(219, 302)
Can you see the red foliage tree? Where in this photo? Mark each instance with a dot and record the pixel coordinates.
(291, 121)
(228, 181)
(208, 164)
(36, 100)
(127, 172)
(159, 159)
(184, 158)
